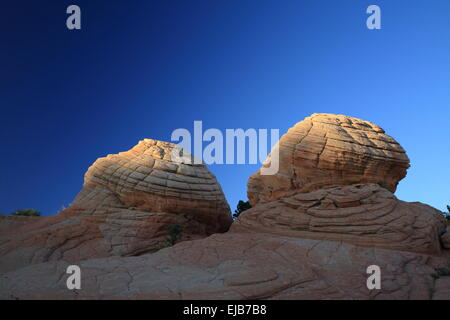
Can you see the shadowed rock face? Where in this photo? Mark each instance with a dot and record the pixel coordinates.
(239, 266)
(125, 208)
(364, 214)
(446, 239)
(326, 150)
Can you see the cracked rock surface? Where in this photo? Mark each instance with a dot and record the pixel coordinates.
(239, 266)
(362, 214)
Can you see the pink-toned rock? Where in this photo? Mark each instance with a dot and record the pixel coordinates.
(363, 214)
(127, 204)
(328, 150)
(10, 223)
(238, 266)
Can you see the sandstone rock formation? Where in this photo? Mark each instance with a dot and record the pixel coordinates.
(335, 182)
(146, 179)
(314, 229)
(327, 150)
(362, 214)
(239, 266)
(125, 208)
(9, 223)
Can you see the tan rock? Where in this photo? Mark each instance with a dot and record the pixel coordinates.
(327, 150)
(125, 208)
(238, 266)
(9, 223)
(364, 214)
(146, 179)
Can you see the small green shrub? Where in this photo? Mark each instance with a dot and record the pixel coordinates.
(27, 213)
(175, 231)
(441, 272)
(241, 207)
(434, 275)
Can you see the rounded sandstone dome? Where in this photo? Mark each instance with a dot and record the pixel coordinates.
(146, 179)
(328, 150)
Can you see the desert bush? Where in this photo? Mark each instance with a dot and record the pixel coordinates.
(241, 207)
(175, 231)
(447, 215)
(26, 212)
(441, 272)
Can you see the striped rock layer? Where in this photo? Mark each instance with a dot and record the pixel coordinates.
(363, 214)
(336, 179)
(327, 150)
(146, 179)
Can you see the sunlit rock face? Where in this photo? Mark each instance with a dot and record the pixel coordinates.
(146, 179)
(328, 150)
(126, 207)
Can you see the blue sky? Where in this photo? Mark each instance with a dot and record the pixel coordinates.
(141, 69)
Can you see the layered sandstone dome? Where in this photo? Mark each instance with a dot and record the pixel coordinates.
(146, 178)
(327, 150)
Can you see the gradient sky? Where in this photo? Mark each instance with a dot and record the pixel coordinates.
(140, 69)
